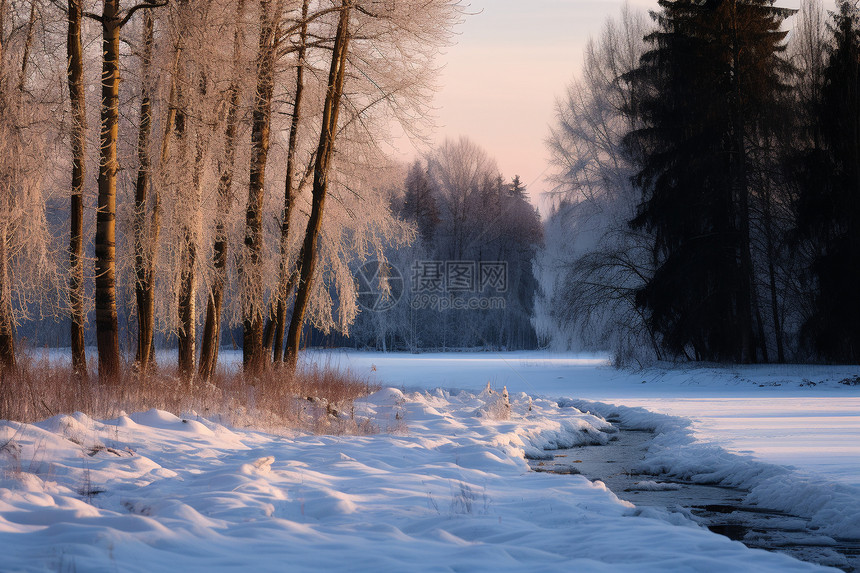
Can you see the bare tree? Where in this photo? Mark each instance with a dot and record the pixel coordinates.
(287, 277)
(112, 20)
(328, 133)
(215, 300)
(24, 235)
(593, 261)
(388, 63)
(252, 347)
(75, 74)
(143, 241)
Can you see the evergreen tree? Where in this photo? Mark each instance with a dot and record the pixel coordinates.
(703, 93)
(419, 203)
(829, 204)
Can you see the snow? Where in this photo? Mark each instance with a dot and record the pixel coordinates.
(788, 433)
(803, 416)
(444, 486)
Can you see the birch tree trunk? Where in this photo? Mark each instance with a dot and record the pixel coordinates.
(75, 74)
(328, 133)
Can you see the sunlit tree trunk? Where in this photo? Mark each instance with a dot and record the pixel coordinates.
(187, 334)
(146, 243)
(107, 332)
(328, 133)
(75, 73)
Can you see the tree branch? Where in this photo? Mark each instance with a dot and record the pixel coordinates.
(148, 4)
(298, 25)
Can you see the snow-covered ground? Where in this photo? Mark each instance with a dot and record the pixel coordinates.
(444, 486)
(803, 416)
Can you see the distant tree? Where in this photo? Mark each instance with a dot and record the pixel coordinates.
(460, 170)
(593, 262)
(419, 202)
(466, 216)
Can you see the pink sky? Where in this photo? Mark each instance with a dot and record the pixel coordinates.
(511, 60)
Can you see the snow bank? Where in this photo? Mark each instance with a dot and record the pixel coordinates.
(833, 507)
(446, 488)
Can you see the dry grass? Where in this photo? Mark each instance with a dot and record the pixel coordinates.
(313, 399)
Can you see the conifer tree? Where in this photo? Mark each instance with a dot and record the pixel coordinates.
(419, 204)
(829, 204)
(702, 94)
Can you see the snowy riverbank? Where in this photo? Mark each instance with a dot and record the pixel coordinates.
(444, 485)
(804, 416)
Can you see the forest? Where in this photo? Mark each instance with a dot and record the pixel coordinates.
(707, 199)
(188, 174)
(178, 172)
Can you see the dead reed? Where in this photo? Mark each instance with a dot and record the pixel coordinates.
(313, 399)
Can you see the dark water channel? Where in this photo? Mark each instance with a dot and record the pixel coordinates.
(720, 509)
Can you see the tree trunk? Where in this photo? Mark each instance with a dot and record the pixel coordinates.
(774, 304)
(2, 30)
(212, 325)
(289, 194)
(328, 133)
(75, 74)
(107, 332)
(146, 257)
(188, 281)
(7, 324)
(7, 339)
(187, 334)
(28, 44)
(252, 347)
(142, 243)
(747, 307)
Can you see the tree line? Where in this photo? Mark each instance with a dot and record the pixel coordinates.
(467, 276)
(707, 169)
(213, 162)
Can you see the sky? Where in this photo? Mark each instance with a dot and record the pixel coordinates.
(510, 62)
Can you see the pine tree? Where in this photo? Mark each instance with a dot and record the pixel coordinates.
(829, 204)
(419, 203)
(702, 94)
